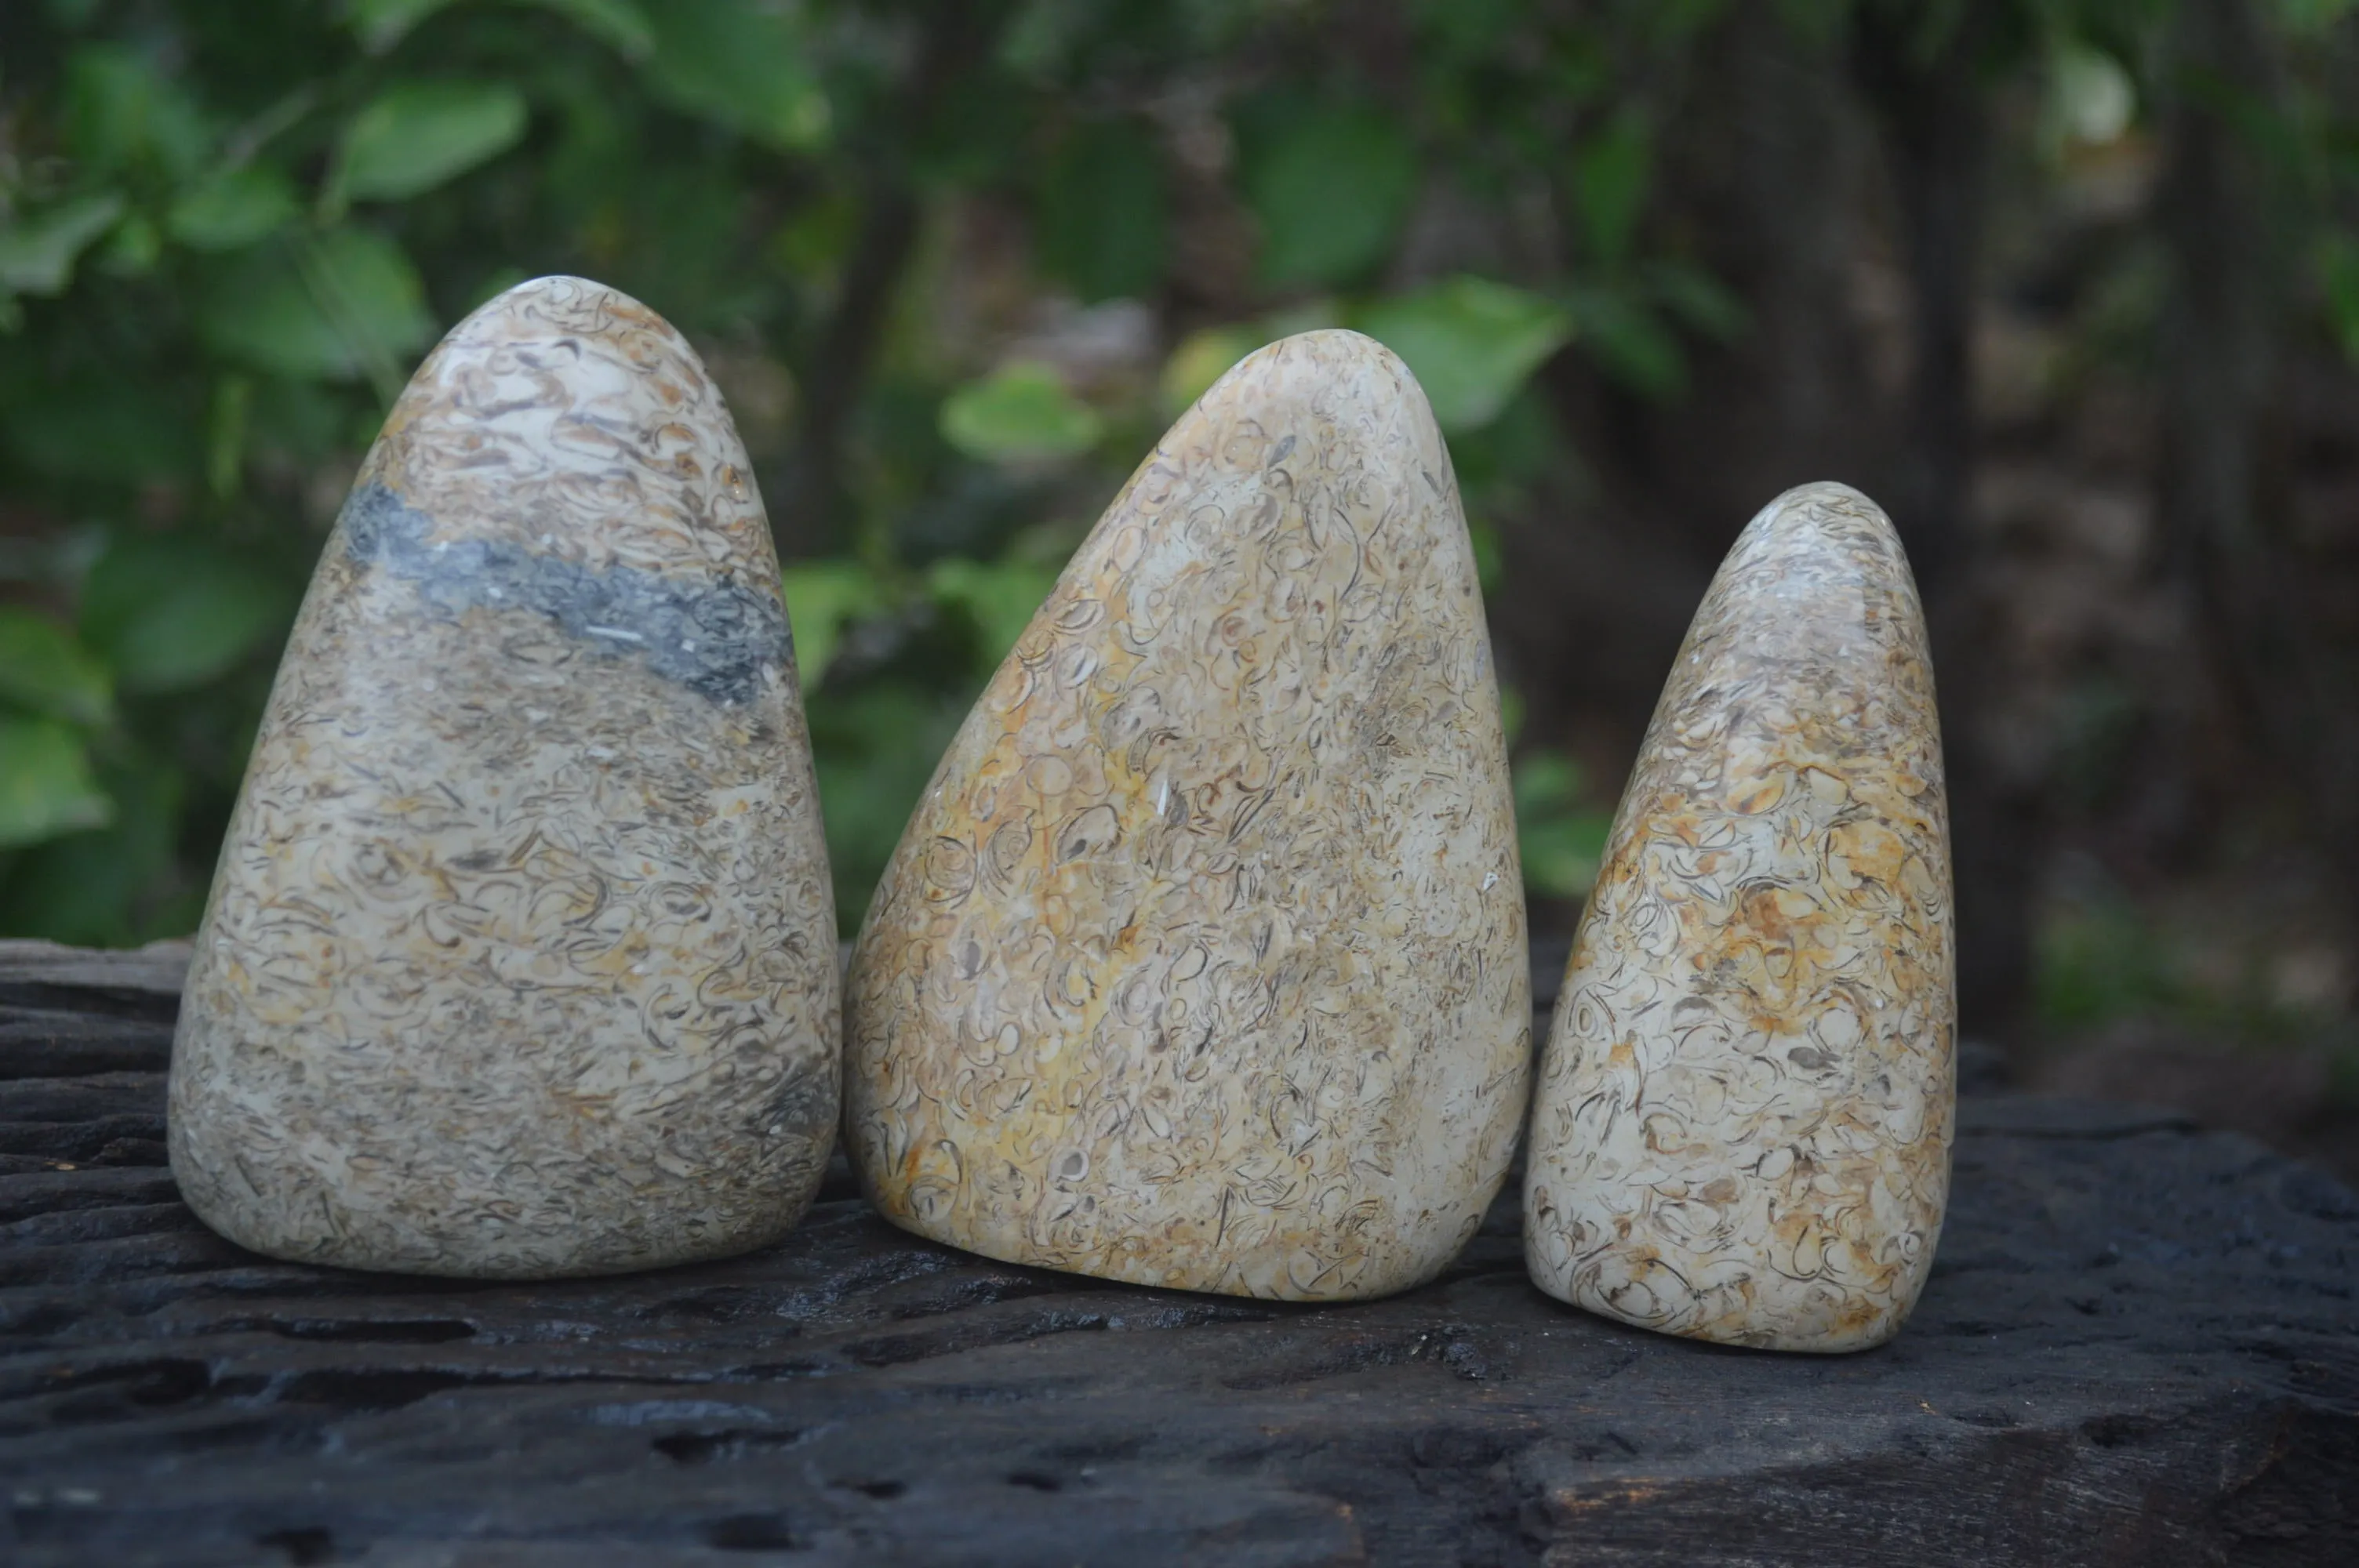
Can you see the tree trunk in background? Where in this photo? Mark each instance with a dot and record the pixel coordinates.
(1926, 93)
(838, 372)
(2263, 597)
(1759, 168)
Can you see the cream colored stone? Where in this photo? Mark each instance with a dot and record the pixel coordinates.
(1201, 961)
(1742, 1128)
(520, 956)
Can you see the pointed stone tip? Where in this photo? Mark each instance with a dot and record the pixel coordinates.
(563, 297)
(1828, 503)
(562, 413)
(1346, 382)
(1828, 492)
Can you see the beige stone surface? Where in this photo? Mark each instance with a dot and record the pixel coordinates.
(519, 960)
(1201, 962)
(1741, 1127)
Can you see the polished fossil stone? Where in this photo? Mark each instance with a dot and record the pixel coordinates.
(519, 960)
(1201, 961)
(1741, 1127)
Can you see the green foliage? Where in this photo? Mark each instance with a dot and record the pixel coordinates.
(955, 267)
(2101, 959)
(343, 304)
(171, 614)
(43, 668)
(1561, 836)
(416, 134)
(232, 210)
(1472, 344)
(744, 66)
(1020, 413)
(1610, 185)
(1329, 185)
(1201, 358)
(38, 256)
(822, 597)
(1102, 221)
(46, 787)
(2338, 276)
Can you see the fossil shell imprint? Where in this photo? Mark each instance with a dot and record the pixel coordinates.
(1201, 962)
(1742, 1128)
(520, 956)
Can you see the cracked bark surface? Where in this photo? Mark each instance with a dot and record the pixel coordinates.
(2139, 1344)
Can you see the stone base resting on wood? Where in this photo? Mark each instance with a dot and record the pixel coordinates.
(2139, 1345)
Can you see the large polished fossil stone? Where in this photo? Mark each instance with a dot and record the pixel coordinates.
(1201, 961)
(1741, 1127)
(520, 957)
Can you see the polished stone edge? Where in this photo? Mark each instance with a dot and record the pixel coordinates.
(713, 636)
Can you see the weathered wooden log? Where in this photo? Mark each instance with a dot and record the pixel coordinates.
(2139, 1344)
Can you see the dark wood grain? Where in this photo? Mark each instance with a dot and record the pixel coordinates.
(2139, 1345)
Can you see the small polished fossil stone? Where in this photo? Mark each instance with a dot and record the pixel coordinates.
(519, 960)
(1201, 961)
(1741, 1127)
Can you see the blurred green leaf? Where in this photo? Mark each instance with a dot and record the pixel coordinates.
(874, 749)
(234, 209)
(1629, 342)
(225, 437)
(1020, 413)
(43, 668)
(46, 786)
(416, 136)
(618, 24)
(1000, 597)
(101, 887)
(347, 304)
(1330, 186)
(821, 596)
(1490, 556)
(1698, 300)
(1609, 182)
(1102, 218)
(133, 250)
(2338, 276)
(1202, 357)
(1561, 842)
(101, 424)
(381, 24)
(1472, 344)
(2312, 18)
(38, 254)
(170, 614)
(121, 111)
(742, 64)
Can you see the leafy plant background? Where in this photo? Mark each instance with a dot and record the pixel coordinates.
(955, 267)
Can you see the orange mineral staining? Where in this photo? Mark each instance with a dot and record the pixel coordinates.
(1201, 961)
(1741, 1127)
(520, 958)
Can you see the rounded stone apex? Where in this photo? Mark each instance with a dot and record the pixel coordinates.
(580, 303)
(565, 415)
(1332, 386)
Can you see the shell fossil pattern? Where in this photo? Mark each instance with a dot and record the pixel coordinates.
(1741, 1127)
(520, 958)
(1201, 961)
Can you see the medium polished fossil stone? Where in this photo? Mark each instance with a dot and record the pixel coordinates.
(1741, 1127)
(1202, 960)
(519, 960)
